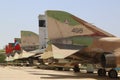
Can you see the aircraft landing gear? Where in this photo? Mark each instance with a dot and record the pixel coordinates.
(113, 73)
(30, 60)
(101, 72)
(76, 68)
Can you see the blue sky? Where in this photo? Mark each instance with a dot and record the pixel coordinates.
(17, 15)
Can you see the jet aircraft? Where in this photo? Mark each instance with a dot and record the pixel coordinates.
(69, 40)
(24, 49)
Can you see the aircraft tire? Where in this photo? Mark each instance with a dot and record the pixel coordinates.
(113, 73)
(76, 68)
(30, 60)
(101, 72)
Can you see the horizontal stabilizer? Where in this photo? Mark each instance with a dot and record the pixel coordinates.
(59, 53)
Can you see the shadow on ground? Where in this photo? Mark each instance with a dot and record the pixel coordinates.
(71, 76)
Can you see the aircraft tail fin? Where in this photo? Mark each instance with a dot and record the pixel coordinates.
(29, 40)
(61, 24)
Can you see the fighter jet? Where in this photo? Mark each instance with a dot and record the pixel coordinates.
(69, 40)
(24, 48)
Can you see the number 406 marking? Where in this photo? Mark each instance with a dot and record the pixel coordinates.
(77, 30)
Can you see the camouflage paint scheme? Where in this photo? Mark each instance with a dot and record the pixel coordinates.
(94, 45)
(29, 40)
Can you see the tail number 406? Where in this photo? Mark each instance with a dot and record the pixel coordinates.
(77, 30)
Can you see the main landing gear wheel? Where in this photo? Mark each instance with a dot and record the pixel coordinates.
(113, 74)
(76, 68)
(101, 72)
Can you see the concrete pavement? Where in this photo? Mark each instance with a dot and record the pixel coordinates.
(30, 73)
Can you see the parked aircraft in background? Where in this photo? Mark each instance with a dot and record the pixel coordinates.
(24, 49)
(68, 40)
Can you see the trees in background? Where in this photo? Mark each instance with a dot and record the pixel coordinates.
(2, 56)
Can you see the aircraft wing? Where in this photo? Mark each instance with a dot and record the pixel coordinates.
(61, 51)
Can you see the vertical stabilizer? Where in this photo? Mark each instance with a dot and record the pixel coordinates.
(64, 25)
(29, 40)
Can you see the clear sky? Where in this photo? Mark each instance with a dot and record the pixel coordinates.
(17, 15)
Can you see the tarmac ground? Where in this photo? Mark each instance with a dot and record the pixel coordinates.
(30, 73)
